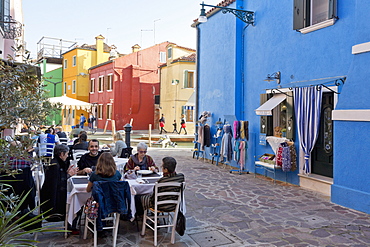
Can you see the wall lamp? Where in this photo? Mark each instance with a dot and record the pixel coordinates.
(244, 15)
(274, 76)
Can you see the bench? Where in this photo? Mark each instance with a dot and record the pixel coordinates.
(267, 168)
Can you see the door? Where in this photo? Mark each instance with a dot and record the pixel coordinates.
(322, 154)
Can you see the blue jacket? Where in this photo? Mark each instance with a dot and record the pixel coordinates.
(112, 197)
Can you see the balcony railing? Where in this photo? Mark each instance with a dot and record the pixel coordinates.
(12, 28)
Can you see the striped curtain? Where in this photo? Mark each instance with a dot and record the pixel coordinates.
(307, 107)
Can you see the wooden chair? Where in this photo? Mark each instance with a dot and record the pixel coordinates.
(161, 200)
(119, 193)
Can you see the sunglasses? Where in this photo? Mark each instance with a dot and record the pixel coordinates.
(142, 152)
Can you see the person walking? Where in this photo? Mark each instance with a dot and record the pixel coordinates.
(161, 124)
(183, 126)
(174, 127)
(82, 121)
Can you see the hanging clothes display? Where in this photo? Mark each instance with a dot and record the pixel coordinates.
(226, 144)
(236, 151)
(236, 129)
(286, 156)
(246, 130)
(241, 129)
(206, 136)
(242, 159)
(200, 136)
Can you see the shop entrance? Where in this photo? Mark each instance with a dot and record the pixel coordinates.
(322, 154)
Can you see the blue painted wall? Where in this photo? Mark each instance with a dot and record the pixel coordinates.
(272, 45)
(217, 68)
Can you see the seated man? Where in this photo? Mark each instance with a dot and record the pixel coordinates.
(90, 159)
(59, 131)
(169, 175)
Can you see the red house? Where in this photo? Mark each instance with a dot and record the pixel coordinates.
(127, 88)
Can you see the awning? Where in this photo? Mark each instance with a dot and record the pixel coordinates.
(70, 103)
(266, 108)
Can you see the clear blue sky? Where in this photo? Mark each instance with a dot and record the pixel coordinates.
(121, 21)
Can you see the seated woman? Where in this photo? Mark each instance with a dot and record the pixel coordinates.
(141, 161)
(119, 145)
(82, 143)
(169, 175)
(106, 170)
(54, 190)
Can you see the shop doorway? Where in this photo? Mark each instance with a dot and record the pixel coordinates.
(322, 154)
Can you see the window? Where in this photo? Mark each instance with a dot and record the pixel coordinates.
(65, 63)
(276, 110)
(74, 61)
(92, 85)
(110, 82)
(188, 111)
(315, 14)
(101, 84)
(100, 111)
(65, 113)
(73, 86)
(169, 52)
(188, 79)
(156, 99)
(109, 111)
(73, 114)
(162, 57)
(65, 88)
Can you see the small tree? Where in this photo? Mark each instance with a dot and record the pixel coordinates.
(22, 96)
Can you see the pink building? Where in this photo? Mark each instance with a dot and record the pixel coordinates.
(128, 88)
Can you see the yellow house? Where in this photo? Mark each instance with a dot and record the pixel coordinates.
(76, 83)
(177, 96)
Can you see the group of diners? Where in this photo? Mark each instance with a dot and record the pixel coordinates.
(100, 166)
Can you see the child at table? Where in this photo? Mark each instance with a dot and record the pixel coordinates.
(106, 170)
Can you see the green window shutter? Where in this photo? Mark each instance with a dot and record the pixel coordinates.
(186, 79)
(266, 121)
(289, 116)
(298, 14)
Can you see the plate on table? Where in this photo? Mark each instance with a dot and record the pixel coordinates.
(145, 172)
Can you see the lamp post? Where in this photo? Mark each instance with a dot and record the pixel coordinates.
(244, 15)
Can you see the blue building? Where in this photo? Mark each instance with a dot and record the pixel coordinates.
(263, 74)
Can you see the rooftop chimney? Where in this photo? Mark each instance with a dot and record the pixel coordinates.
(135, 48)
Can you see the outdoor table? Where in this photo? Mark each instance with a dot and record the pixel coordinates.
(137, 188)
(120, 162)
(76, 197)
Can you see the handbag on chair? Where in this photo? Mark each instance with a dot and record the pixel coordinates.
(180, 223)
(181, 220)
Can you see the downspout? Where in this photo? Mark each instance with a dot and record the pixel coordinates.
(197, 84)
(239, 67)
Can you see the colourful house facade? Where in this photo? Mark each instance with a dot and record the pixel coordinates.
(125, 89)
(177, 87)
(255, 73)
(76, 83)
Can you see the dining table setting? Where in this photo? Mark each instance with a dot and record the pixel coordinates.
(141, 182)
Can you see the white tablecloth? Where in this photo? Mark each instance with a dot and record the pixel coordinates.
(138, 189)
(120, 162)
(76, 197)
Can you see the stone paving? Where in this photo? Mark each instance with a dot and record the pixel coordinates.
(228, 209)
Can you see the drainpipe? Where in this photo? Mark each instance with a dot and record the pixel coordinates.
(198, 73)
